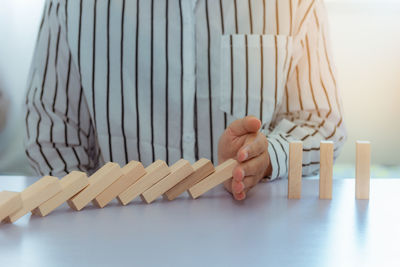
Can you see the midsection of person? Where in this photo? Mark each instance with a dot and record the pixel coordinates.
(171, 55)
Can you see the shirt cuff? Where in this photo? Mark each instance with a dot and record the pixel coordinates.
(278, 149)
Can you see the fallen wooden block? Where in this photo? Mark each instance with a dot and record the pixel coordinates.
(363, 162)
(202, 168)
(98, 182)
(222, 173)
(179, 171)
(71, 185)
(295, 169)
(326, 170)
(10, 202)
(154, 173)
(131, 172)
(35, 194)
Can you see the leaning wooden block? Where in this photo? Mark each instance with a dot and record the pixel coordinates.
(154, 173)
(363, 162)
(35, 194)
(131, 172)
(326, 170)
(98, 182)
(222, 173)
(10, 202)
(295, 169)
(71, 184)
(179, 171)
(202, 168)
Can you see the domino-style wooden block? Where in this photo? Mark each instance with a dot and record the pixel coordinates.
(295, 169)
(71, 185)
(326, 170)
(179, 171)
(10, 202)
(98, 182)
(131, 173)
(154, 173)
(36, 194)
(222, 173)
(363, 162)
(202, 168)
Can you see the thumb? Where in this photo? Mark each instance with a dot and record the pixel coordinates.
(248, 124)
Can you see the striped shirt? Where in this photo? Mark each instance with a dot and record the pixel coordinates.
(117, 80)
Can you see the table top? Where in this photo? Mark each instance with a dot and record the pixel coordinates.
(266, 229)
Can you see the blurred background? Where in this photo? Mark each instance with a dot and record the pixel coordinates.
(365, 37)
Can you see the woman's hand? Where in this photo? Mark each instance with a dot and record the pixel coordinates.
(243, 142)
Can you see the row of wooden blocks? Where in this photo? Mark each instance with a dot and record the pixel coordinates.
(133, 180)
(362, 181)
(111, 182)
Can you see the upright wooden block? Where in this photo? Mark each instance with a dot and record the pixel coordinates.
(222, 173)
(363, 162)
(10, 202)
(35, 194)
(131, 173)
(295, 169)
(202, 168)
(326, 170)
(179, 171)
(71, 184)
(154, 173)
(98, 182)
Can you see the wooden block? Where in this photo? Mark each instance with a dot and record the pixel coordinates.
(154, 173)
(71, 185)
(295, 169)
(131, 172)
(10, 202)
(36, 194)
(98, 182)
(363, 162)
(202, 168)
(179, 171)
(222, 173)
(326, 170)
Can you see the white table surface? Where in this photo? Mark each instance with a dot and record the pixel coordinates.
(267, 229)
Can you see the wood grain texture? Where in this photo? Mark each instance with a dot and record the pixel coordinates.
(154, 173)
(326, 170)
(201, 169)
(222, 173)
(10, 202)
(98, 182)
(36, 194)
(363, 162)
(179, 171)
(71, 185)
(131, 172)
(295, 169)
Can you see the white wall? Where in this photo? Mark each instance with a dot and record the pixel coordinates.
(366, 42)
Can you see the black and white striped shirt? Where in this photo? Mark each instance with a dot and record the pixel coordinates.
(119, 80)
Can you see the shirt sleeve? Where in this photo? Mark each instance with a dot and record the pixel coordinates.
(60, 135)
(311, 110)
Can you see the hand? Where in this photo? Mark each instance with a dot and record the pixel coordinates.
(243, 142)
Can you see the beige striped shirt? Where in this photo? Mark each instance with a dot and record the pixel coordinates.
(117, 80)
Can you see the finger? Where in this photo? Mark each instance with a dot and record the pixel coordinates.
(237, 187)
(240, 196)
(249, 182)
(246, 125)
(254, 148)
(254, 166)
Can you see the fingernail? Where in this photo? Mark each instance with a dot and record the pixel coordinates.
(241, 196)
(245, 154)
